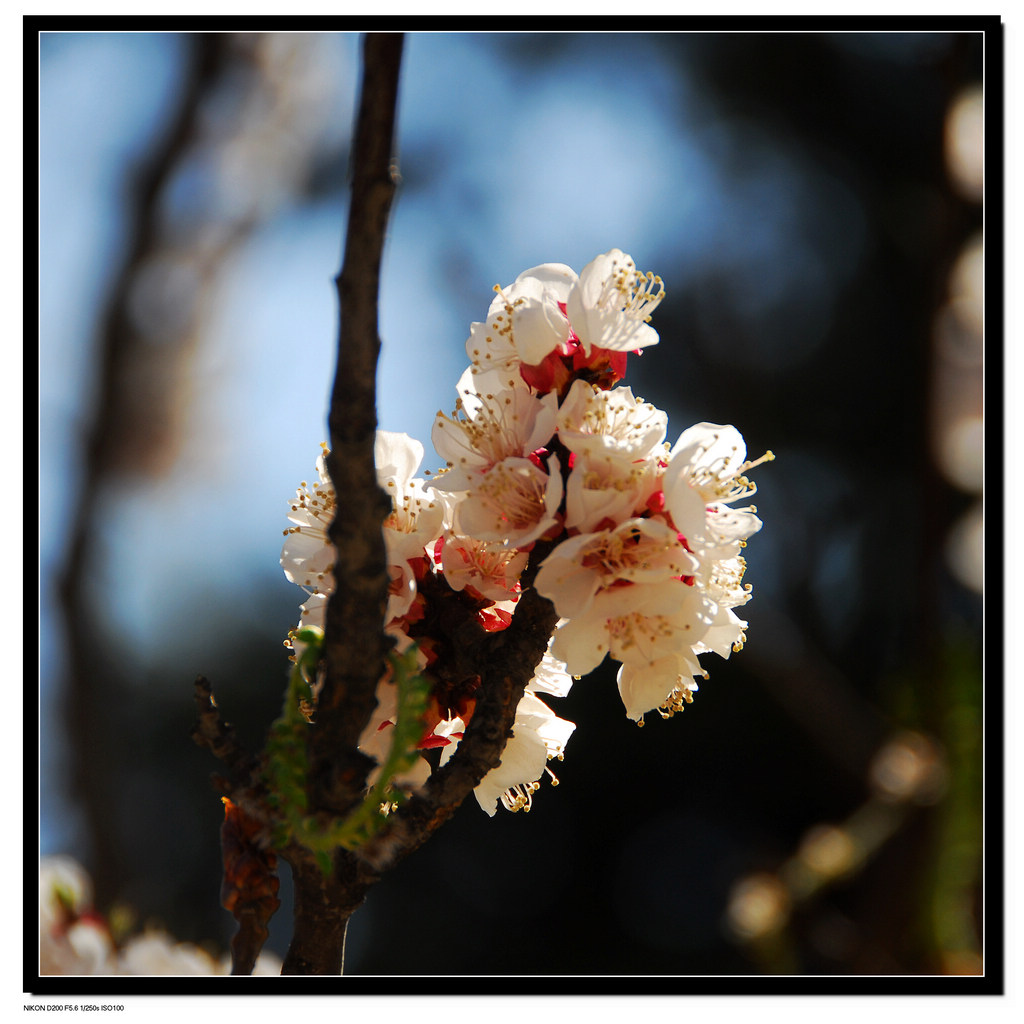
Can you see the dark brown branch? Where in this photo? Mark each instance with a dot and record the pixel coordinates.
(250, 885)
(248, 941)
(507, 661)
(324, 906)
(218, 736)
(355, 643)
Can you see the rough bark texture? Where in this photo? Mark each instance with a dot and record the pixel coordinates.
(355, 643)
(250, 886)
(323, 907)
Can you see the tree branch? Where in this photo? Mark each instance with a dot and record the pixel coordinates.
(506, 662)
(218, 736)
(509, 660)
(355, 644)
(323, 905)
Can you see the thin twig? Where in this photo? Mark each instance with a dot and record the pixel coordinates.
(217, 736)
(250, 886)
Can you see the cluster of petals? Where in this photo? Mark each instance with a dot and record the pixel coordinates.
(424, 534)
(616, 441)
(414, 523)
(551, 323)
(644, 540)
(501, 489)
(657, 589)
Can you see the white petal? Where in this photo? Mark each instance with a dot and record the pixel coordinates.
(538, 328)
(685, 505)
(550, 676)
(581, 644)
(510, 423)
(491, 351)
(514, 502)
(646, 687)
(537, 734)
(606, 487)
(565, 581)
(397, 456)
(610, 303)
(556, 277)
(704, 443)
(725, 631)
(612, 422)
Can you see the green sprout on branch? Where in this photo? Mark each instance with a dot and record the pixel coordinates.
(287, 764)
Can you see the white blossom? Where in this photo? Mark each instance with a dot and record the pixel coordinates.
(487, 428)
(525, 323)
(414, 523)
(722, 581)
(64, 888)
(156, 953)
(610, 303)
(514, 502)
(490, 568)
(637, 551)
(638, 624)
(646, 565)
(703, 477)
(666, 683)
(75, 940)
(609, 423)
(72, 938)
(605, 490)
(308, 556)
(416, 519)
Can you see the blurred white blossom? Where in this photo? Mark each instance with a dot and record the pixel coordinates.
(74, 939)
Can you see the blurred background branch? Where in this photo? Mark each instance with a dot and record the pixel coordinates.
(131, 432)
(237, 145)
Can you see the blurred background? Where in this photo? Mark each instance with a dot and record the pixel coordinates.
(813, 203)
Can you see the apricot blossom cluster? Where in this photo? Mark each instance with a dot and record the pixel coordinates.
(544, 452)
